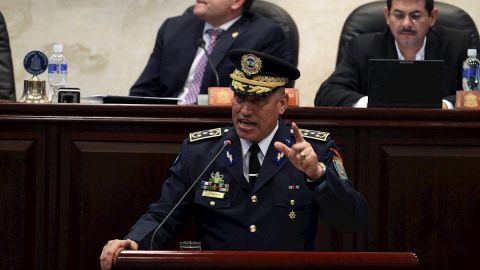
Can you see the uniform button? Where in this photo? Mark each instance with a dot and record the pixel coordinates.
(254, 199)
(212, 203)
(253, 228)
(292, 202)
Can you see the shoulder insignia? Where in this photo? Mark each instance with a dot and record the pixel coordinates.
(314, 134)
(338, 164)
(205, 134)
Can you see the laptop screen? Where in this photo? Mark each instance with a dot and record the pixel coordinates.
(405, 84)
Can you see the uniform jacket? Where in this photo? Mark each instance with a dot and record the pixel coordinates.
(348, 83)
(177, 43)
(279, 213)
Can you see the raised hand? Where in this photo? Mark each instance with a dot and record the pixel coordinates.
(301, 155)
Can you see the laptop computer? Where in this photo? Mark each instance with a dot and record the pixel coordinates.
(405, 84)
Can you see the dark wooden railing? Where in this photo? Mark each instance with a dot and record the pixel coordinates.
(241, 260)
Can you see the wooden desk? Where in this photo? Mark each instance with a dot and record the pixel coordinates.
(75, 176)
(265, 260)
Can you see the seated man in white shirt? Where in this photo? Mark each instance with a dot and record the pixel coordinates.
(408, 37)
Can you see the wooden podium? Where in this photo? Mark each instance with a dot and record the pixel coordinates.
(68, 171)
(217, 260)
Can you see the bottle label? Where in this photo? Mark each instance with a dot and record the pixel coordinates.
(470, 72)
(52, 68)
(57, 68)
(63, 69)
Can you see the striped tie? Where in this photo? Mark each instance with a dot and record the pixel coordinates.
(191, 97)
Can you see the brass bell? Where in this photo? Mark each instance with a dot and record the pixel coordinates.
(34, 91)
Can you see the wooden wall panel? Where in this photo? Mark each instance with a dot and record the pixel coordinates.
(433, 203)
(22, 180)
(423, 193)
(111, 184)
(16, 210)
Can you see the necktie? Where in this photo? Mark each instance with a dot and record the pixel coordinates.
(194, 90)
(253, 164)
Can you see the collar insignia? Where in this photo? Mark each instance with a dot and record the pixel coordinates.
(279, 158)
(288, 142)
(229, 158)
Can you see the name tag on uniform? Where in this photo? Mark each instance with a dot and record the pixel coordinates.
(213, 194)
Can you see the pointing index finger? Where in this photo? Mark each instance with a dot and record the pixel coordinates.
(296, 133)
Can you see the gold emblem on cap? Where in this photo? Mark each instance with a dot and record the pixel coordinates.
(251, 64)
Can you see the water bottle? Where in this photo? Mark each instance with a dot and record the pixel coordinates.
(57, 72)
(471, 71)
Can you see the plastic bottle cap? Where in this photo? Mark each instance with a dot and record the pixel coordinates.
(472, 52)
(58, 48)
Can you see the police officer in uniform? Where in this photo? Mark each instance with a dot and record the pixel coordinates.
(267, 189)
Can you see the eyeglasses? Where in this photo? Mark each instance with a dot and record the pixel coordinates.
(415, 16)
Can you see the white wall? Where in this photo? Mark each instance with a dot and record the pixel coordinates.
(107, 42)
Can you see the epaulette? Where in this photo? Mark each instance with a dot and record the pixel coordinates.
(205, 134)
(314, 134)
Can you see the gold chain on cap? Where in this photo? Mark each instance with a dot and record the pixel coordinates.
(265, 81)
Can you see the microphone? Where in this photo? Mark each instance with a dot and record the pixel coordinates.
(152, 240)
(201, 44)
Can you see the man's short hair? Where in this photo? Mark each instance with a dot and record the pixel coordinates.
(429, 4)
(247, 5)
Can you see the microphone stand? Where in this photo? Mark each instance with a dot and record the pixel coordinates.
(225, 143)
(201, 44)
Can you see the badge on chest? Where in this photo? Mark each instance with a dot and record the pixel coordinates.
(215, 187)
